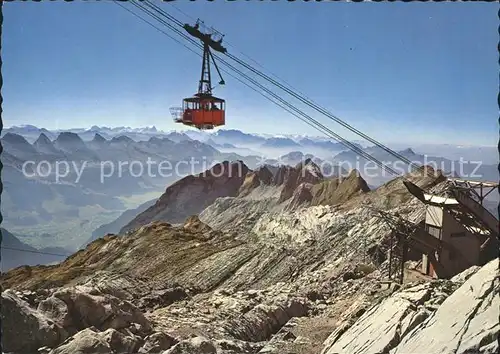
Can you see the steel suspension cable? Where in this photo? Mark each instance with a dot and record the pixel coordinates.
(320, 109)
(243, 54)
(34, 251)
(310, 119)
(299, 96)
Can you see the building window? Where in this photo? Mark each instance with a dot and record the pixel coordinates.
(458, 234)
(434, 231)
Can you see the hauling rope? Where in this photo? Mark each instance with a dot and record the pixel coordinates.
(184, 115)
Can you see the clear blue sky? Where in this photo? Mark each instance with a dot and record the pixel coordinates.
(423, 72)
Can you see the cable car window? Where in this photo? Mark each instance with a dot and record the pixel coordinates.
(434, 231)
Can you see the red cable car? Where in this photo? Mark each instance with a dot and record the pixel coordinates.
(203, 110)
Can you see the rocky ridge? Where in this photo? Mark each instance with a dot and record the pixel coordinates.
(251, 274)
(456, 316)
(194, 193)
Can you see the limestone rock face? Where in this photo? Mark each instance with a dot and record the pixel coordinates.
(24, 330)
(467, 321)
(102, 311)
(196, 345)
(251, 274)
(435, 317)
(253, 179)
(191, 194)
(293, 177)
(157, 342)
(380, 327)
(86, 341)
(339, 190)
(301, 196)
(233, 186)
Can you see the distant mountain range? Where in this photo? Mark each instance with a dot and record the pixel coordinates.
(68, 187)
(224, 139)
(92, 184)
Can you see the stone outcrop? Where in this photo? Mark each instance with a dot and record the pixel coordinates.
(442, 317)
(72, 319)
(86, 307)
(192, 194)
(292, 177)
(156, 343)
(91, 340)
(250, 274)
(467, 321)
(254, 179)
(87, 341)
(20, 321)
(339, 190)
(196, 345)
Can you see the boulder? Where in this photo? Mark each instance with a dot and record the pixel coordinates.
(85, 342)
(57, 310)
(157, 342)
(24, 330)
(121, 343)
(103, 311)
(195, 345)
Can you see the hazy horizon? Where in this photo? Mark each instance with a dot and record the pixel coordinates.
(394, 143)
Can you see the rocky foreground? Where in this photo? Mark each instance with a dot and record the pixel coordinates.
(282, 264)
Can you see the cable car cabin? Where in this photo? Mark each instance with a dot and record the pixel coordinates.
(201, 111)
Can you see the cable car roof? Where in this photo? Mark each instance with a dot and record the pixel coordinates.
(198, 98)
